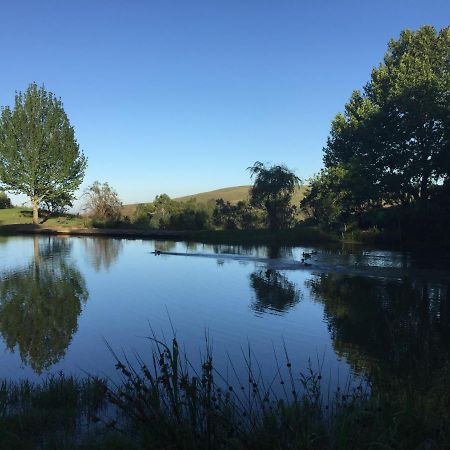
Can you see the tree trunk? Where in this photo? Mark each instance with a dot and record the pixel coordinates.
(35, 203)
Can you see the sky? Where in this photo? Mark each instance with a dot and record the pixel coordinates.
(182, 96)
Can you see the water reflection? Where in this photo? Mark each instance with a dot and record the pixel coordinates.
(40, 304)
(273, 291)
(387, 327)
(102, 252)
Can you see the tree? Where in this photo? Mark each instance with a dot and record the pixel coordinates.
(5, 201)
(333, 198)
(240, 215)
(396, 133)
(102, 202)
(39, 155)
(273, 189)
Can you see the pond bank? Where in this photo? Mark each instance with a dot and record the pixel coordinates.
(80, 231)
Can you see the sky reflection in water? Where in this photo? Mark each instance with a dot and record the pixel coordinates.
(383, 313)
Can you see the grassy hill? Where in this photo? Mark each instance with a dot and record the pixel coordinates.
(231, 194)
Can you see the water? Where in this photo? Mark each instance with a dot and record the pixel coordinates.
(353, 312)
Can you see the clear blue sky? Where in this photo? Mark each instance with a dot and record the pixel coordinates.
(182, 96)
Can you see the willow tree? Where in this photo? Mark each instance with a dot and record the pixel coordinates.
(39, 155)
(272, 189)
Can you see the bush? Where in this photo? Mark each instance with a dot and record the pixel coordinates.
(103, 204)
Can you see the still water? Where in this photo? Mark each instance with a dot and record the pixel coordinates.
(353, 312)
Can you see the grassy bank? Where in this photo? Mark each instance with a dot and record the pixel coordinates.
(19, 221)
(167, 403)
(21, 216)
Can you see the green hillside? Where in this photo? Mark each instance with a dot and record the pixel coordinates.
(231, 194)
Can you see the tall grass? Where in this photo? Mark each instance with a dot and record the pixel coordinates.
(166, 402)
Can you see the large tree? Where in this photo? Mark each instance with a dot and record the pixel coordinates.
(272, 190)
(39, 155)
(392, 141)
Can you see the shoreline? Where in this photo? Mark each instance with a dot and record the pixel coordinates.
(17, 229)
(306, 236)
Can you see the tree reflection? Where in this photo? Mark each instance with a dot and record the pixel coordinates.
(273, 291)
(102, 252)
(387, 327)
(40, 304)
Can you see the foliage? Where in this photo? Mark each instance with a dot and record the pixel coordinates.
(391, 146)
(56, 204)
(102, 203)
(241, 215)
(272, 189)
(167, 214)
(330, 198)
(5, 201)
(398, 130)
(39, 155)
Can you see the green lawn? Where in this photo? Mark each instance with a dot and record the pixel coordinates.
(20, 215)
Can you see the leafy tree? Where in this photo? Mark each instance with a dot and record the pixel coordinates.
(165, 213)
(225, 215)
(191, 215)
(162, 209)
(272, 190)
(57, 203)
(102, 203)
(331, 198)
(5, 201)
(396, 133)
(240, 215)
(39, 155)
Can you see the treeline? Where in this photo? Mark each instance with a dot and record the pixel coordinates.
(269, 206)
(165, 213)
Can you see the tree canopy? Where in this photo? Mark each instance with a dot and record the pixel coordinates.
(39, 155)
(392, 141)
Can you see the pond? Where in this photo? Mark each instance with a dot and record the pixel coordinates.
(350, 312)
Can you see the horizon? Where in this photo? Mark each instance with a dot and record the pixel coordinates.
(182, 98)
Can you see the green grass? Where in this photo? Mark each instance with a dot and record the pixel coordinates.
(20, 216)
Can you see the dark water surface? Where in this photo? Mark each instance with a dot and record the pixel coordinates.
(359, 312)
